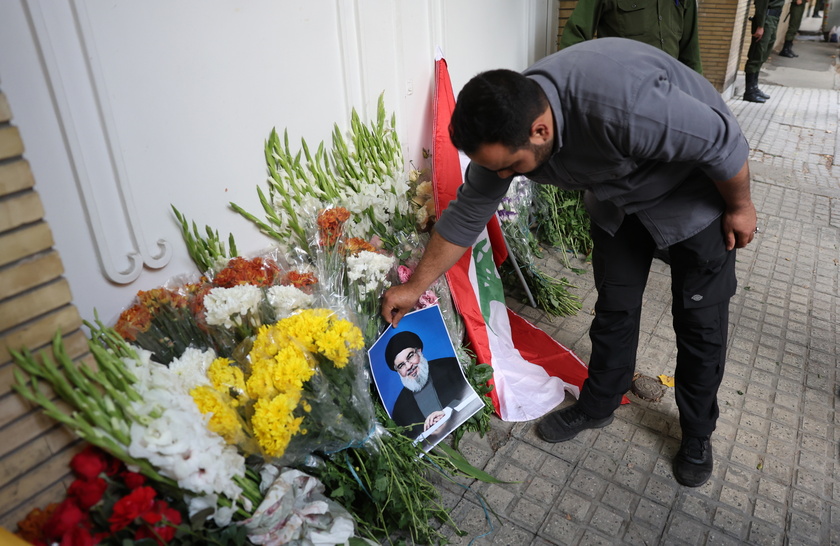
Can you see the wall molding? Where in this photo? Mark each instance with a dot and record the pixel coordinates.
(64, 38)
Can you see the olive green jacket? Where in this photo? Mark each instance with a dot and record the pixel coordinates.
(670, 25)
(761, 7)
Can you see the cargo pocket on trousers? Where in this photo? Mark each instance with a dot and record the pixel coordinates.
(710, 283)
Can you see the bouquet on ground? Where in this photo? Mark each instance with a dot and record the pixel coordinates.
(216, 311)
(166, 424)
(301, 390)
(353, 269)
(109, 504)
(550, 293)
(562, 221)
(106, 502)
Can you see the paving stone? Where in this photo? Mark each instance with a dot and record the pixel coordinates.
(804, 529)
(732, 522)
(530, 514)
(608, 521)
(661, 491)
(499, 497)
(561, 528)
(699, 507)
(621, 499)
(592, 538)
(717, 538)
(509, 535)
(655, 515)
(686, 530)
(762, 534)
(588, 483)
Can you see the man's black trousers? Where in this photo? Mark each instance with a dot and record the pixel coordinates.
(702, 282)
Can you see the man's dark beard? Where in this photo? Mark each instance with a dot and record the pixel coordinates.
(414, 385)
(542, 152)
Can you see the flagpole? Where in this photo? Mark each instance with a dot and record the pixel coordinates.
(518, 271)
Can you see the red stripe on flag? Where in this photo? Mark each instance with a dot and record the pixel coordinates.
(539, 348)
(446, 161)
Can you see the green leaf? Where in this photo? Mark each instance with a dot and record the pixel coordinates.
(464, 466)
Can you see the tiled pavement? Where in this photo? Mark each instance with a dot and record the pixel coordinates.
(777, 475)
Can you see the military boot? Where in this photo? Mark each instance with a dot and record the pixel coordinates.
(787, 50)
(751, 91)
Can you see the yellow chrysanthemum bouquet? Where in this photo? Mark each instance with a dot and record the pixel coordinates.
(298, 390)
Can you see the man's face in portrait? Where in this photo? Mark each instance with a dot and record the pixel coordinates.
(413, 368)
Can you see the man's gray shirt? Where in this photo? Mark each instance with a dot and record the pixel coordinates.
(638, 130)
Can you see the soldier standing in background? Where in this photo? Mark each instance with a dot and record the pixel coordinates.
(765, 21)
(670, 25)
(797, 10)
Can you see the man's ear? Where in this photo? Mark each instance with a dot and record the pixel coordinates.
(542, 128)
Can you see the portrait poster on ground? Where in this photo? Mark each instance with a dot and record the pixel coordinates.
(419, 378)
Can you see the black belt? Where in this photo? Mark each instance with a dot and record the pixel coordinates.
(775, 12)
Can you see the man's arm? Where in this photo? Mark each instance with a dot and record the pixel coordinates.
(759, 17)
(438, 257)
(582, 23)
(739, 218)
(690, 40)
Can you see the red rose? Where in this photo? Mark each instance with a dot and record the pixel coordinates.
(161, 523)
(131, 507)
(66, 516)
(87, 492)
(78, 536)
(133, 480)
(89, 463)
(112, 465)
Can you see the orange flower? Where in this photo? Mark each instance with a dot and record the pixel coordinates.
(258, 271)
(331, 221)
(197, 308)
(31, 528)
(355, 245)
(134, 320)
(299, 280)
(158, 298)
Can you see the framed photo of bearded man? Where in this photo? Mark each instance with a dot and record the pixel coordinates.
(419, 379)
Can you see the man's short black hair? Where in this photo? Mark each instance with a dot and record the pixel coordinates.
(497, 106)
(400, 342)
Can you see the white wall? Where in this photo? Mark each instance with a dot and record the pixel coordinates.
(126, 107)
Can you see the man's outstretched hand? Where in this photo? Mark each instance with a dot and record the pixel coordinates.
(438, 257)
(397, 301)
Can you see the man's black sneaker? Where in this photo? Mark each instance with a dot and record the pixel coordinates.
(564, 424)
(693, 463)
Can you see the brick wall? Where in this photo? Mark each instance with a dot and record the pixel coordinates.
(721, 31)
(35, 303)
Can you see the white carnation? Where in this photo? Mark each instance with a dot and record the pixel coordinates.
(287, 299)
(230, 307)
(369, 269)
(191, 367)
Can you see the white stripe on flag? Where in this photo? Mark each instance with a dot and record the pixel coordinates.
(525, 390)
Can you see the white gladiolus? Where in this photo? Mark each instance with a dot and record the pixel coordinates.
(174, 436)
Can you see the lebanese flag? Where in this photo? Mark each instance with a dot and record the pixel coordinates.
(531, 371)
